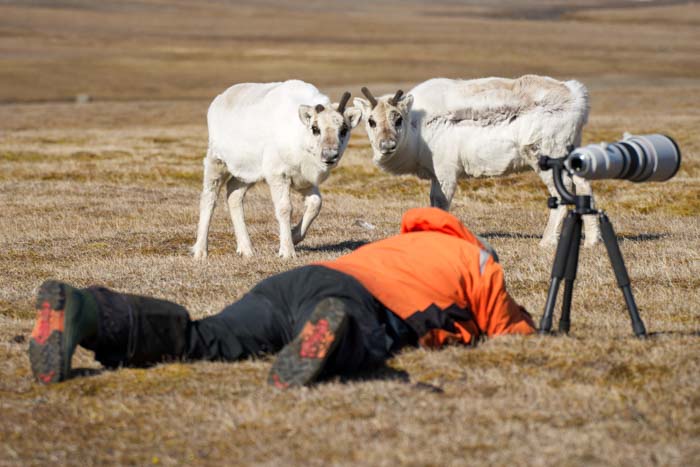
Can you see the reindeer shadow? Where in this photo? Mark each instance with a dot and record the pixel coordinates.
(509, 235)
(644, 237)
(334, 247)
(649, 237)
(695, 333)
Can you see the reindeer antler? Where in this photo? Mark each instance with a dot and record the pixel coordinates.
(319, 108)
(369, 96)
(396, 98)
(343, 101)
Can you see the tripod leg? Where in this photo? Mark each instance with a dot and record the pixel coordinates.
(570, 276)
(558, 269)
(623, 280)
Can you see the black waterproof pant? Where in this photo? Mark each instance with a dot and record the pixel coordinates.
(141, 331)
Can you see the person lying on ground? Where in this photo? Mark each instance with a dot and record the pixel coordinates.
(435, 283)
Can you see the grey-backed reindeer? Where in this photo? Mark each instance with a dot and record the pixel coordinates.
(445, 129)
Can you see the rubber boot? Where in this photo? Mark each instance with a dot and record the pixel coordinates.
(66, 316)
(301, 361)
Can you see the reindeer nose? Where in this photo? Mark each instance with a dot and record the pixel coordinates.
(387, 145)
(329, 155)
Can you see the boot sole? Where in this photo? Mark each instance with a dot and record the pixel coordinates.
(301, 361)
(46, 349)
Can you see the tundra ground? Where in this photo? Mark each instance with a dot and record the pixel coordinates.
(107, 193)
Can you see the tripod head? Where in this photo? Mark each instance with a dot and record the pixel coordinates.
(583, 204)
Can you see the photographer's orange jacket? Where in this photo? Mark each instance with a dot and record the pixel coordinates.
(439, 279)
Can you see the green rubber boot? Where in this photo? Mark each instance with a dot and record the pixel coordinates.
(65, 317)
(301, 361)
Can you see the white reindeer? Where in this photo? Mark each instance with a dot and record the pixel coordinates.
(448, 129)
(288, 134)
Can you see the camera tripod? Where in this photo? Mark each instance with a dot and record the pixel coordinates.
(566, 258)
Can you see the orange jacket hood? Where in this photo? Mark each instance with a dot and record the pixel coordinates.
(436, 220)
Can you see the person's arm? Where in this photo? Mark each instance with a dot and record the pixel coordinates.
(497, 312)
(466, 332)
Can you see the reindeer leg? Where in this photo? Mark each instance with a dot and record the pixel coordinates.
(215, 172)
(556, 216)
(312, 206)
(442, 189)
(279, 189)
(591, 225)
(236, 190)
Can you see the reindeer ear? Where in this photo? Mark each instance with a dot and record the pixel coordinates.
(405, 104)
(306, 114)
(363, 105)
(353, 115)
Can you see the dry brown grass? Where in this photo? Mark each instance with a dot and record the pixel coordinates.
(107, 193)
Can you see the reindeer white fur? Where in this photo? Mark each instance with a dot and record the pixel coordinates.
(288, 134)
(448, 129)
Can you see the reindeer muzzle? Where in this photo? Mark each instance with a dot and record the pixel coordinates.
(330, 156)
(387, 146)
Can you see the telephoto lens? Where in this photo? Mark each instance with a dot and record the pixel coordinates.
(643, 158)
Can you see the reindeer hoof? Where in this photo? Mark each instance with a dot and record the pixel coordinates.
(592, 241)
(198, 253)
(286, 254)
(245, 252)
(548, 242)
(296, 235)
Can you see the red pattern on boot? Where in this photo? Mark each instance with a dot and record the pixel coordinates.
(316, 339)
(47, 321)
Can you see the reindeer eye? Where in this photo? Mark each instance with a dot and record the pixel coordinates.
(343, 131)
(315, 130)
(371, 122)
(398, 122)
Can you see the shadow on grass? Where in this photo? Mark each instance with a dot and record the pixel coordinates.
(85, 372)
(334, 247)
(645, 237)
(509, 235)
(642, 237)
(387, 373)
(693, 333)
(658, 335)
